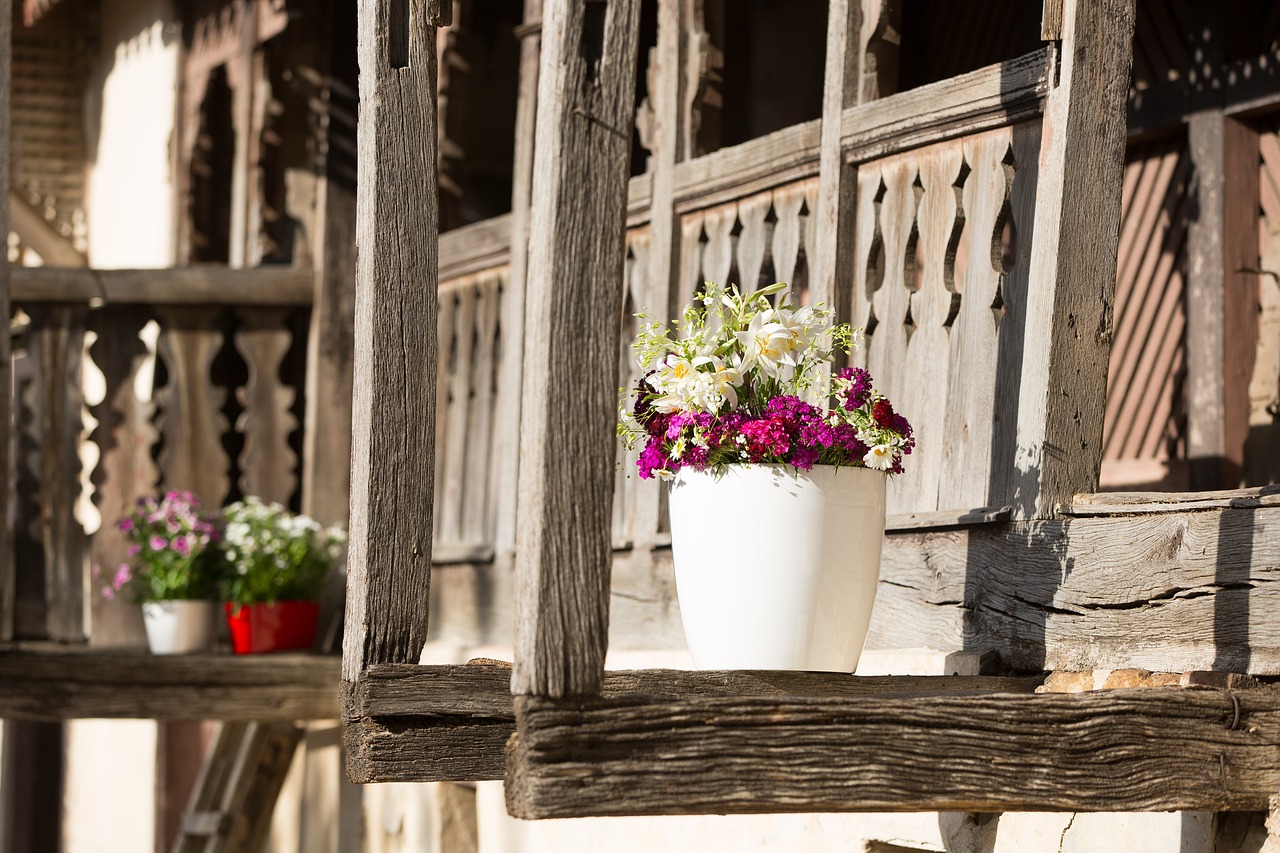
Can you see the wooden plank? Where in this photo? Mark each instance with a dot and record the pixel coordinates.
(477, 523)
(426, 749)
(728, 174)
(200, 285)
(1156, 749)
(268, 464)
(948, 518)
(51, 684)
(1073, 260)
(393, 434)
(452, 455)
(574, 300)
(1122, 503)
(995, 96)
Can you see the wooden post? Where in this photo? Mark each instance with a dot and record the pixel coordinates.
(1073, 262)
(506, 434)
(393, 416)
(831, 273)
(7, 573)
(574, 297)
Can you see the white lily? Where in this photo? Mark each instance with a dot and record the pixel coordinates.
(764, 343)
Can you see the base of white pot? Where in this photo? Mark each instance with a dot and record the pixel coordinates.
(178, 627)
(777, 568)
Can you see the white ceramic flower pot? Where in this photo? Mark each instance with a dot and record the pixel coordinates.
(176, 627)
(777, 569)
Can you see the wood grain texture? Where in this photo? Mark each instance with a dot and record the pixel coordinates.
(585, 112)
(418, 723)
(393, 416)
(1064, 594)
(478, 246)
(50, 684)
(199, 285)
(1073, 260)
(1152, 749)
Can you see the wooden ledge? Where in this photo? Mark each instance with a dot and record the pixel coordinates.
(61, 685)
(408, 723)
(1157, 749)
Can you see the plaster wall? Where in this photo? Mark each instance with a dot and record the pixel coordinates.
(130, 126)
(109, 798)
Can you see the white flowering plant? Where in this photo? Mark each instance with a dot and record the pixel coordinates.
(275, 555)
(740, 380)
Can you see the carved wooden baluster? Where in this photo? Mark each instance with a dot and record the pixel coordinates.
(125, 470)
(691, 276)
(717, 255)
(921, 393)
(268, 465)
(787, 203)
(476, 527)
(446, 329)
(191, 420)
(753, 240)
(55, 342)
(890, 301)
(452, 454)
(809, 236)
(966, 435)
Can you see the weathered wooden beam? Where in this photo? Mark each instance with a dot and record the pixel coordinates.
(199, 285)
(1158, 749)
(61, 685)
(36, 233)
(450, 723)
(1067, 332)
(574, 298)
(393, 412)
(479, 246)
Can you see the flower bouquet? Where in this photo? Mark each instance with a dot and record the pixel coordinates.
(173, 570)
(279, 563)
(777, 471)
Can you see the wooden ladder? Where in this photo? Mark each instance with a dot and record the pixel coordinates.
(230, 808)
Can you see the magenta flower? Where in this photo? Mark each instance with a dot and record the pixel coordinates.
(157, 543)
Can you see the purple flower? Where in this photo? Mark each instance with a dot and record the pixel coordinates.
(133, 550)
(125, 524)
(123, 575)
(182, 545)
(859, 391)
(158, 543)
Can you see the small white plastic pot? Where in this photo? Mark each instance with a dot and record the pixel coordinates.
(176, 627)
(777, 568)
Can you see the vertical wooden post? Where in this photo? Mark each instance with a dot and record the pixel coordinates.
(393, 417)
(506, 434)
(831, 272)
(1073, 261)
(7, 569)
(586, 104)
(1222, 326)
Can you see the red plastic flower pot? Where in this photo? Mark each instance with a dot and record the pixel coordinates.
(278, 627)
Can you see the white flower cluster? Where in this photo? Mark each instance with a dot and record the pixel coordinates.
(736, 341)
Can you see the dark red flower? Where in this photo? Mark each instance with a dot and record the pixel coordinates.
(882, 413)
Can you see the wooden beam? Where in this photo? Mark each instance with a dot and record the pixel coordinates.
(1068, 313)
(1156, 749)
(36, 233)
(480, 246)
(451, 723)
(59, 685)
(830, 272)
(574, 298)
(393, 420)
(199, 285)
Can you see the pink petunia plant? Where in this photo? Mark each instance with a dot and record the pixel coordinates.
(171, 551)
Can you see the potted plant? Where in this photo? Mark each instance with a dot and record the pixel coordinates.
(277, 566)
(172, 570)
(777, 471)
